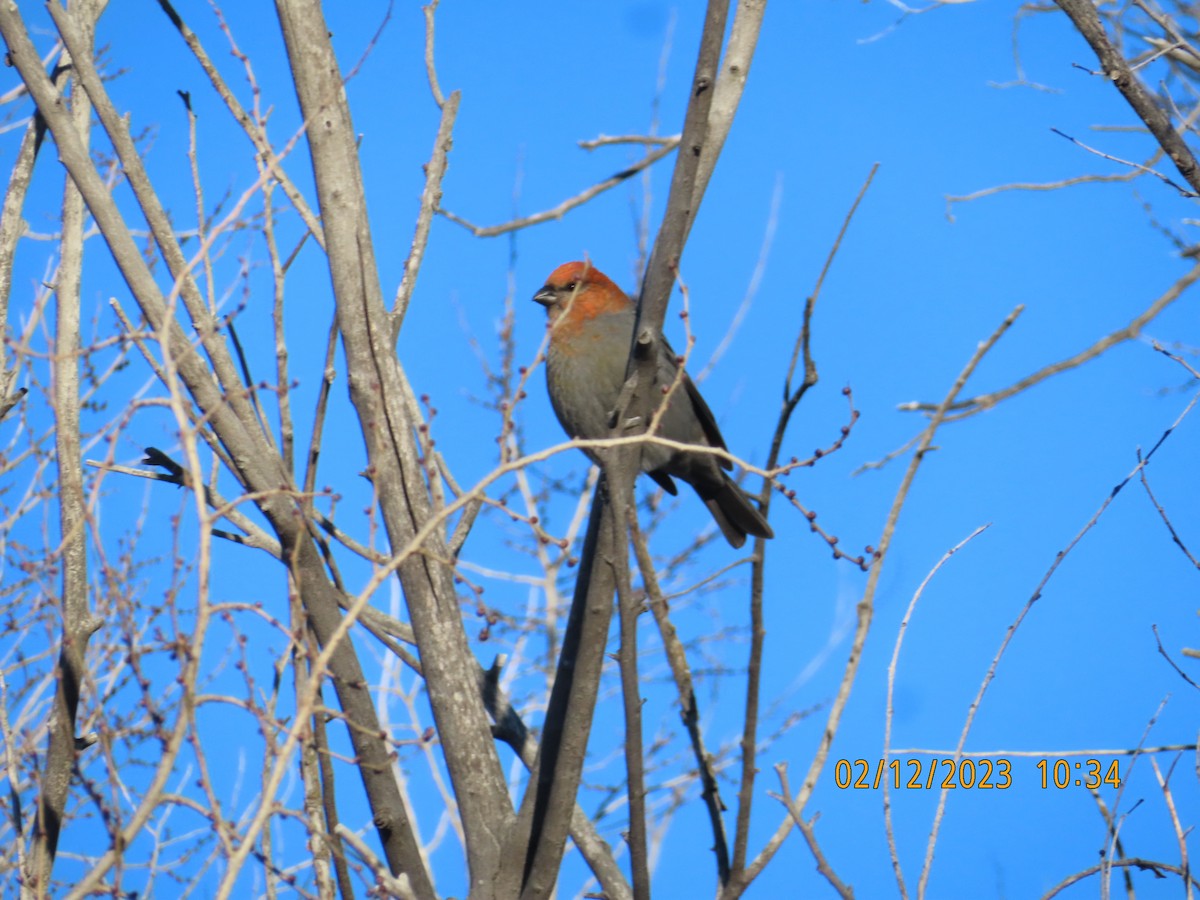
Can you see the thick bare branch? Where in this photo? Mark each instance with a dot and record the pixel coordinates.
(1083, 14)
(78, 623)
(378, 391)
(540, 834)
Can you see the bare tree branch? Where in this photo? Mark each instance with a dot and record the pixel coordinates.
(977, 404)
(1083, 14)
(78, 623)
(567, 205)
(431, 198)
(378, 390)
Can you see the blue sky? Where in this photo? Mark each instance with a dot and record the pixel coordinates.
(834, 88)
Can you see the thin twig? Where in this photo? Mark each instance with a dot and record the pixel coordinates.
(1163, 653)
(567, 205)
(1162, 513)
(977, 404)
(431, 197)
(628, 608)
(1040, 754)
(430, 67)
(645, 140)
(689, 711)
(1184, 192)
(1140, 170)
(1136, 862)
(810, 835)
(889, 712)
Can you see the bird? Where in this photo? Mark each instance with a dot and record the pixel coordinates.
(591, 323)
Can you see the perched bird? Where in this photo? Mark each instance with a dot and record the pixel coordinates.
(591, 331)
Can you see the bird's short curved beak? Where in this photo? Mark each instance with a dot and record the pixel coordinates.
(546, 296)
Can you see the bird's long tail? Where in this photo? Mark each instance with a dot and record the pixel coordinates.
(735, 513)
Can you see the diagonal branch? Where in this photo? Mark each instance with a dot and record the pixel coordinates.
(431, 196)
(801, 355)
(964, 408)
(1085, 18)
(689, 706)
(557, 212)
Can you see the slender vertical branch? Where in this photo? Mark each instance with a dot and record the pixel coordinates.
(540, 835)
(380, 394)
(731, 82)
(435, 171)
(689, 708)
(889, 713)
(322, 843)
(78, 624)
(12, 224)
(628, 607)
(801, 354)
(287, 431)
(431, 198)
(683, 200)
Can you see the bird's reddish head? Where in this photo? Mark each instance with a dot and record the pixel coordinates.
(580, 292)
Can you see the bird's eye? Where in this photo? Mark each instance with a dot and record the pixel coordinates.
(572, 285)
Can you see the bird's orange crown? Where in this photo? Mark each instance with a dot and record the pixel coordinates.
(582, 272)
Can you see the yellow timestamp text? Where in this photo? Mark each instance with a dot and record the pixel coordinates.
(926, 774)
(1088, 773)
(981, 773)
